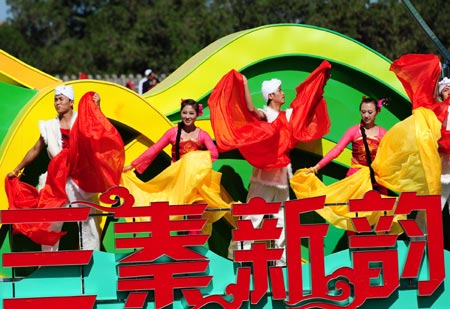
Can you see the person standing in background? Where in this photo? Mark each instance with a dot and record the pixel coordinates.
(151, 82)
(143, 80)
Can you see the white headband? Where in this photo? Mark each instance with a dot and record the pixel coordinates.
(65, 90)
(269, 86)
(443, 83)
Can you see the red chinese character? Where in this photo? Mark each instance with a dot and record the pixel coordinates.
(260, 254)
(166, 262)
(427, 236)
(34, 217)
(68, 302)
(374, 255)
(326, 291)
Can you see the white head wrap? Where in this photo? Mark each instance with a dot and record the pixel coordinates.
(269, 86)
(65, 90)
(443, 83)
(148, 72)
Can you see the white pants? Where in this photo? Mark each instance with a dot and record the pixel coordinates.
(89, 236)
(270, 194)
(445, 178)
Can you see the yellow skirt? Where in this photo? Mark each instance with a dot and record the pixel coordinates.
(189, 180)
(407, 160)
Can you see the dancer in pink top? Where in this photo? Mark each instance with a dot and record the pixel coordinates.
(365, 138)
(184, 138)
(190, 178)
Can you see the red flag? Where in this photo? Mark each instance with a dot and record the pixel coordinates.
(82, 75)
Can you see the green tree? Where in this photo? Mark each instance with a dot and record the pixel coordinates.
(112, 36)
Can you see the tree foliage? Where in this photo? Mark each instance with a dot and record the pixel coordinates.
(112, 36)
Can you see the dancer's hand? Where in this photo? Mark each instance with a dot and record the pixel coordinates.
(313, 169)
(260, 114)
(15, 173)
(127, 168)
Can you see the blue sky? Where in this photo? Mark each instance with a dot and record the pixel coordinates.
(2, 10)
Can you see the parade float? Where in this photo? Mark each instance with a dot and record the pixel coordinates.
(326, 270)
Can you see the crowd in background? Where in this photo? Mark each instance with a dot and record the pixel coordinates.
(128, 80)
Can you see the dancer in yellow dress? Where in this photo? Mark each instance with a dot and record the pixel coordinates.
(407, 159)
(190, 178)
(364, 137)
(364, 149)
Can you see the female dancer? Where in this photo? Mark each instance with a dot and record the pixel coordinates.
(184, 138)
(365, 138)
(190, 178)
(407, 159)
